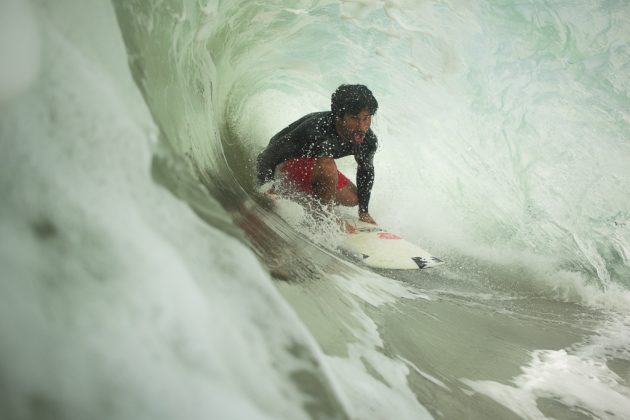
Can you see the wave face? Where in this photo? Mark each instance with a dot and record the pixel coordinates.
(143, 276)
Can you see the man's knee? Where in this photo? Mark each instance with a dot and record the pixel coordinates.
(348, 196)
(325, 167)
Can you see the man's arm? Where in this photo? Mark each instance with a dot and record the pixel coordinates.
(365, 181)
(265, 167)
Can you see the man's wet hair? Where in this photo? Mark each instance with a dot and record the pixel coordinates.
(352, 99)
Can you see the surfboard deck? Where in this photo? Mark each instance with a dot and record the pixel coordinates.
(379, 248)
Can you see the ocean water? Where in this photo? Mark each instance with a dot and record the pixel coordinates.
(144, 277)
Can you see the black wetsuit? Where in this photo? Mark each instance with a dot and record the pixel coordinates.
(314, 135)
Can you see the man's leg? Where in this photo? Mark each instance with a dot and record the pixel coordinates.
(347, 195)
(325, 180)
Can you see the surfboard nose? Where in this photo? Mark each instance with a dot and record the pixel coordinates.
(421, 262)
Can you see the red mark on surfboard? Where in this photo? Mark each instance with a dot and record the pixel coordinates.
(387, 235)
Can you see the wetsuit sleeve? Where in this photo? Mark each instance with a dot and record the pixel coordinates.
(365, 179)
(266, 166)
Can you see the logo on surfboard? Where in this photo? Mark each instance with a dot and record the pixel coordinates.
(387, 235)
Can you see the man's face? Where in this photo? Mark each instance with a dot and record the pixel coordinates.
(354, 127)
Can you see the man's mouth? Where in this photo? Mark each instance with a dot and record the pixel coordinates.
(358, 136)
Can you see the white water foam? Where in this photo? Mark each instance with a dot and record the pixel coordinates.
(117, 300)
(376, 384)
(577, 377)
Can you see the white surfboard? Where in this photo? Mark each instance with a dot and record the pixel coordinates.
(379, 248)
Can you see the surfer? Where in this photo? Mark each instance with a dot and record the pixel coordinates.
(303, 154)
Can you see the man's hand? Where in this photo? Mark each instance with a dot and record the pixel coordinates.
(365, 217)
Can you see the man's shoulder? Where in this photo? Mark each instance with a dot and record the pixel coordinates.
(318, 118)
(315, 125)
